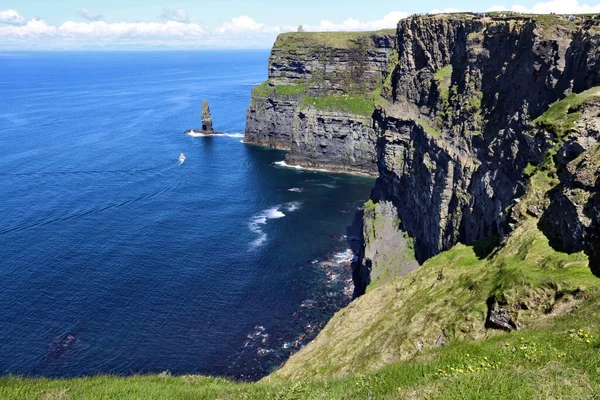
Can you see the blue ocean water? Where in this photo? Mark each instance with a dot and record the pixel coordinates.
(116, 258)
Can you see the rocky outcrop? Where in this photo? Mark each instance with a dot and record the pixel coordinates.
(459, 130)
(389, 251)
(572, 219)
(333, 140)
(207, 122)
(445, 111)
(319, 99)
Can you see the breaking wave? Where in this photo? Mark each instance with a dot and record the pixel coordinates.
(259, 220)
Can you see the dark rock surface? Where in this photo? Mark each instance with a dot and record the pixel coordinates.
(453, 133)
(207, 122)
(309, 65)
(459, 134)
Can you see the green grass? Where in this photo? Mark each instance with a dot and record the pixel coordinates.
(443, 77)
(290, 90)
(262, 90)
(444, 73)
(562, 115)
(343, 103)
(267, 90)
(430, 130)
(552, 359)
(341, 40)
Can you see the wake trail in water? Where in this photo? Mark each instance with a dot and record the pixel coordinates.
(94, 210)
(83, 213)
(162, 168)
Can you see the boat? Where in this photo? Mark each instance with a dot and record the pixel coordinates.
(181, 158)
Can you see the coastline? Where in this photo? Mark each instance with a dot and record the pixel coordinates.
(266, 347)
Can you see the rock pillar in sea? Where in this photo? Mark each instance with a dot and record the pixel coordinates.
(207, 124)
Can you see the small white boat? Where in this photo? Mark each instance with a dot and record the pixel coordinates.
(181, 158)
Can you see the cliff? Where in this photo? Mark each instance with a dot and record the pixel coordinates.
(487, 147)
(319, 98)
(459, 133)
(487, 152)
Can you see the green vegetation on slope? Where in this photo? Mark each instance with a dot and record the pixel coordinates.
(558, 357)
(451, 295)
(344, 103)
(562, 115)
(263, 90)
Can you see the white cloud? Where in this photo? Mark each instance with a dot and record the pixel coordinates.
(246, 24)
(11, 17)
(90, 15)
(388, 22)
(556, 6)
(35, 27)
(177, 15)
(240, 32)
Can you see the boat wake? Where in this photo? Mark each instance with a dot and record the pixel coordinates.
(81, 213)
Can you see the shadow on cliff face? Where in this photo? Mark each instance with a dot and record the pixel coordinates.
(360, 275)
(565, 224)
(484, 247)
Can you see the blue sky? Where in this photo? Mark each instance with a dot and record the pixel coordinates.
(187, 24)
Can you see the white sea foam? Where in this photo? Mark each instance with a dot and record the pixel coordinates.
(261, 219)
(285, 165)
(344, 256)
(293, 206)
(194, 133)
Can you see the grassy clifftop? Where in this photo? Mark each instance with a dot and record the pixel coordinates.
(335, 40)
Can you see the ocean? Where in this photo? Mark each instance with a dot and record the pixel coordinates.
(118, 259)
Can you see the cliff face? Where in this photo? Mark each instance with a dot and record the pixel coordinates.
(459, 131)
(447, 112)
(319, 98)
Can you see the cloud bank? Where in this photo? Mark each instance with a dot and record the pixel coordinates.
(173, 31)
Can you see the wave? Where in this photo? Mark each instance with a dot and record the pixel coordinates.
(327, 185)
(199, 134)
(257, 221)
(292, 206)
(343, 256)
(283, 164)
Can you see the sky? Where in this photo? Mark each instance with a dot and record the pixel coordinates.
(218, 24)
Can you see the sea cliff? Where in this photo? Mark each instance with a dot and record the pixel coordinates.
(319, 99)
(485, 135)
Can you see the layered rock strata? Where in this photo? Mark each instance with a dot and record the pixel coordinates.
(459, 133)
(319, 99)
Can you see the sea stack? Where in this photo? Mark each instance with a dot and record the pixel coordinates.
(207, 125)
